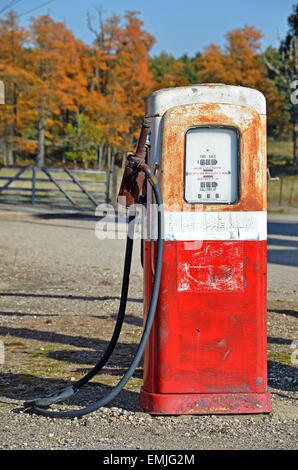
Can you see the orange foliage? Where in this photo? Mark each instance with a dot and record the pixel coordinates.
(240, 63)
(52, 78)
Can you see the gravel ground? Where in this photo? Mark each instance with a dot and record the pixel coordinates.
(59, 296)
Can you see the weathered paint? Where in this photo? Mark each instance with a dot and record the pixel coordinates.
(225, 403)
(252, 166)
(215, 267)
(162, 100)
(225, 302)
(207, 348)
(216, 225)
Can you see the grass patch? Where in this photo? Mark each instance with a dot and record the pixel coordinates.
(282, 357)
(219, 431)
(18, 344)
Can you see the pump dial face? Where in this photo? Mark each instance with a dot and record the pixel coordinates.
(211, 165)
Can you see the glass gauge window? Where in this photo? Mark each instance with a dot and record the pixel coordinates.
(211, 165)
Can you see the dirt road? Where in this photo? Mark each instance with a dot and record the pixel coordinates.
(59, 296)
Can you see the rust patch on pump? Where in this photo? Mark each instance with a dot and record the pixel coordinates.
(252, 153)
(214, 268)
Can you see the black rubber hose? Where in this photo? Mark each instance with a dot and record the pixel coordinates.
(73, 388)
(122, 307)
(147, 328)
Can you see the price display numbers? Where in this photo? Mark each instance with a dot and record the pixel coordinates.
(211, 165)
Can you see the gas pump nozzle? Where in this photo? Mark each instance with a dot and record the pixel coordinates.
(135, 170)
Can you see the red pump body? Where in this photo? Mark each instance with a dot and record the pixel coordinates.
(207, 348)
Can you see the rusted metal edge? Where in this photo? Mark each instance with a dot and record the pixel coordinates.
(201, 403)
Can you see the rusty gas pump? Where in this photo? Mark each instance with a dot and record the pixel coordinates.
(204, 254)
(207, 349)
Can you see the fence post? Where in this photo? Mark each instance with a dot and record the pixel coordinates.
(292, 191)
(108, 173)
(100, 154)
(109, 157)
(280, 190)
(33, 184)
(114, 186)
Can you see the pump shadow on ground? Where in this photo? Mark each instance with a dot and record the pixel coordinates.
(272, 340)
(52, 337)
(23, 387)
(67, 297)
(117, 364)
(282, 376)
(293, 313)
(26, 314)
(86, 215)
(129, 319)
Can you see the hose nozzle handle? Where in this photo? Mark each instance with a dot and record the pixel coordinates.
(133, 176)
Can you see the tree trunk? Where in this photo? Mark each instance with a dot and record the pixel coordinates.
(9, 154)
(100, 154)
(15, 132)
(40, 158)
(109, 157)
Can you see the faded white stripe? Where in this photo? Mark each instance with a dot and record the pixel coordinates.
(229, 225)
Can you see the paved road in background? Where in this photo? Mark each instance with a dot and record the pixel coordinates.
(283, 257)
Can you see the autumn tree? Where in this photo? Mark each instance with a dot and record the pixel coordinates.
(283, 66)
(103, 107)
(14, 73)
(59, 84)
(60, 92)
(134, 77)
(240, 62)
(122, 78)
(212, 65)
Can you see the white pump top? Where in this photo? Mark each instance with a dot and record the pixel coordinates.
(162, 100)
